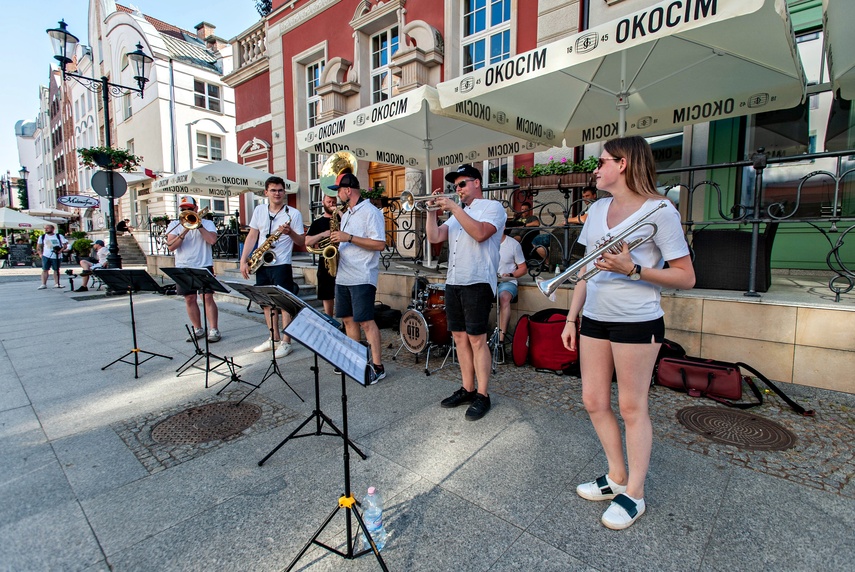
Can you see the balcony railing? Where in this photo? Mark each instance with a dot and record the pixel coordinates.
(251, 47)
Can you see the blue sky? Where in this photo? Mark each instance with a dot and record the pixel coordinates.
(27, 54)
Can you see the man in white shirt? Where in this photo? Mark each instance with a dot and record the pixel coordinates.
(360, 238)
(52, 245)
(91, 263)
(511, 266)
(473, 233)
(194, 249)
(267, 220)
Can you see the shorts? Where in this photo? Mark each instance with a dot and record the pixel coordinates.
(355, 302)
(91, 259)
(181, 291)
(279, 275)
(541, 240)
(508, 287)
(625, 332)
(326, 284)
(48, 263)
(467, 308)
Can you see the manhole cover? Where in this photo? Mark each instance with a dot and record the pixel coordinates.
(737, 428)
(206, 423)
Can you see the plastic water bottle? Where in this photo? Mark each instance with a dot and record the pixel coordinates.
(372, 514)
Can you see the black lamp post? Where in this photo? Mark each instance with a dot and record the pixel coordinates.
(23, 173)
(64, 44)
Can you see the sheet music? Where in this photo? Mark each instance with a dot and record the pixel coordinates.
(314, 332)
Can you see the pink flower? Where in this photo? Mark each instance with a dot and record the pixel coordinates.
(563, 159)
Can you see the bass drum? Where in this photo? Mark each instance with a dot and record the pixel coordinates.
(418, 330)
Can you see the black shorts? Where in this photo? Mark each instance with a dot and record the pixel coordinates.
(625, 332)
(467, 308)
(280, 275)
(326, 284)
(182, 292)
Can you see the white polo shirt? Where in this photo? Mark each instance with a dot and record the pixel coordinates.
(193, 252)
(357, 265)
(265, 225)
(470, 261)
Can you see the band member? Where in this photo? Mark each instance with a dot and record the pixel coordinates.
(474, 232)
(193, 248)
(52, 245)
(267, 220)
(511, 266)
(361, 237)
(622, 320)
(319, 230)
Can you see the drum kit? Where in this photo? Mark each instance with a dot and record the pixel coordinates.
(423, 326)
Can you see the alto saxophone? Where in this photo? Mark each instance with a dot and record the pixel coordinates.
(325, 248)
(263, 255)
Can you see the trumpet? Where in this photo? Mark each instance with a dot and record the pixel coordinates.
(410, 202)
(613, 245)
(192, 220)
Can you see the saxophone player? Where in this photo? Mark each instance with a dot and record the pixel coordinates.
(319, 230)
(267, 220)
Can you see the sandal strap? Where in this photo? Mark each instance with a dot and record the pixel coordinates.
(626, 504)
(603, 483)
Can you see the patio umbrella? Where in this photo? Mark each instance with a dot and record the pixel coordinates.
(48, 212)
(17, 220)
(219, 179)
(839, 46)
(674, 63)
(412, 130)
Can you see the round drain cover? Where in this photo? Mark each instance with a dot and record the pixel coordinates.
(737, 428)
(206, 423)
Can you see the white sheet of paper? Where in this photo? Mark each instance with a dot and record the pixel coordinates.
(311, 330)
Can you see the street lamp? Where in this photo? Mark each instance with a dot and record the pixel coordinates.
(64, 44)
(23, 173)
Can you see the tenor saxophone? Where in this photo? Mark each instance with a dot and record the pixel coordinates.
(325, 248)
(263, 255)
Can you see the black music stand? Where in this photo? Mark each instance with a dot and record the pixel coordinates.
(201, 281)
(294, 306)
(130, 281)
(321, 336)
(261, 297)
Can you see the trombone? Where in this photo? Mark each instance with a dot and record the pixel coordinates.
(411, 202)
(191, 220)
(613, 245)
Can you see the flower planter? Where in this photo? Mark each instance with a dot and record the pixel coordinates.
(552, 181)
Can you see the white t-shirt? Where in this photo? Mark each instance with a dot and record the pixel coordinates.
(265, 225)
(470, 261)
(49, 241)
(510, 256)
(102, 255)
(613, 297)
(356, 265)
(193, 252)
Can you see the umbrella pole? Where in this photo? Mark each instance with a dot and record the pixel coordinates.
(427, 145)
(622, 96)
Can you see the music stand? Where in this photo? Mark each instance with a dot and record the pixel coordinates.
(261, 297)
(320, 335)
(130, 281)
(294, 304)
(202, 281)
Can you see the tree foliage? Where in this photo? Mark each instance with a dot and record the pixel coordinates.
(264, 7)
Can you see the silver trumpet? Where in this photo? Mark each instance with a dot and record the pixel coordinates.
(613, 245)
(410, 202)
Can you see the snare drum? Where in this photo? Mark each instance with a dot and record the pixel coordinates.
(436, 296)
(418, 329)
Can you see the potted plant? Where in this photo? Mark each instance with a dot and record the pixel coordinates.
(160, 220)
(109, 158)
(555, 172)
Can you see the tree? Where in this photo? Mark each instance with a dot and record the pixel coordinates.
(22, 194)
(264, 7)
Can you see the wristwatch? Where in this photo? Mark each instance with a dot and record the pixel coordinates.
(636, 273)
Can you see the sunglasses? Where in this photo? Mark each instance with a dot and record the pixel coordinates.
(602, 161)
(462, 183)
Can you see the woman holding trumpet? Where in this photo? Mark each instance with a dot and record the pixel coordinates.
(622, 322)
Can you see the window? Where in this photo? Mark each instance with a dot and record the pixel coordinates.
(209, 147)
(486, 33)
(130, 146)
(127, 106)
(313, 109)
(383, 47)
(216, 205)
(206, 95)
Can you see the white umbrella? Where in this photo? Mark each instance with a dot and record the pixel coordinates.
(17, 220)
(220, 179)
(412, 130)
(672, 64)
(48, 212)
(840, 45)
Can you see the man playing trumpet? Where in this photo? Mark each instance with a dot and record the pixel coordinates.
(193, 248)
(473, 233)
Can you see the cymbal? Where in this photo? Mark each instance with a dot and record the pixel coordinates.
(417, 267)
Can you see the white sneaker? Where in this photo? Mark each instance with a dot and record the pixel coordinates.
(601, 489)
(623, 511)
(264, 347)
(283, 350)
(214, 335)
(42, 287)
(58, 286)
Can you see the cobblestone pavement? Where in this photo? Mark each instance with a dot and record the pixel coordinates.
(823, 456)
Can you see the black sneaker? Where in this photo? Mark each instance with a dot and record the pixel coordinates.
(82, 289)
(479, 408)
(377, 373)
(337, 371)
(459, 397)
